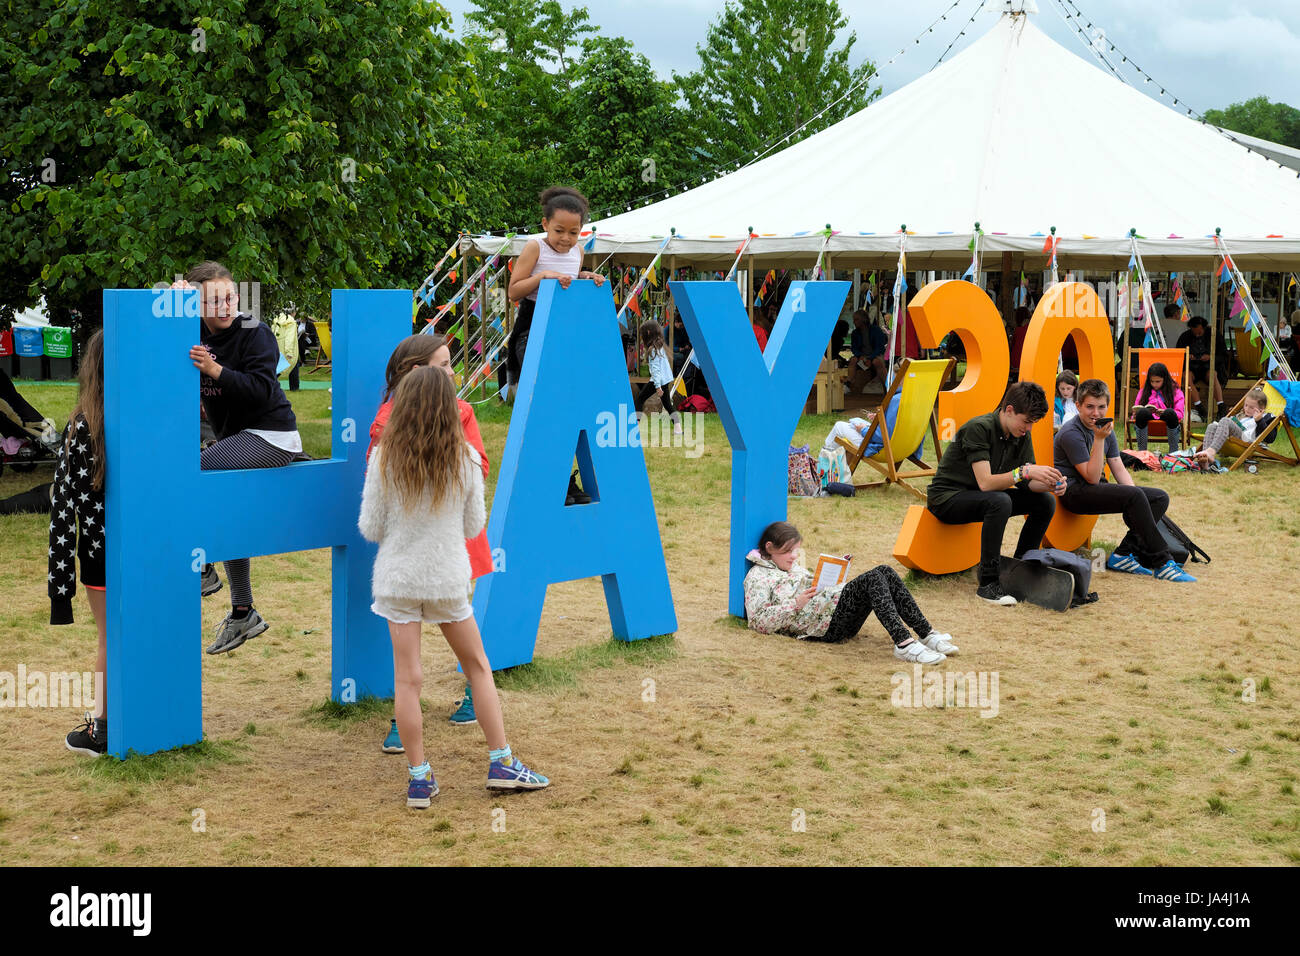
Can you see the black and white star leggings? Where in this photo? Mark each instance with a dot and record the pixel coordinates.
(880, 590)
(241, 451)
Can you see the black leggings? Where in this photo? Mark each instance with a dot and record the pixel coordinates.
(1173, 425)
(649, 388)
(880, 590)
(518, 342)
(242, 450)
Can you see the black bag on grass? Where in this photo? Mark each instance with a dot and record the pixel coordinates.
(1181, 547)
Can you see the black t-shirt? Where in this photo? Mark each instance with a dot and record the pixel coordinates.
(980, 439)
(1074, 444)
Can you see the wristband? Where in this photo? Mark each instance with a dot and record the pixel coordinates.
(1015, 475)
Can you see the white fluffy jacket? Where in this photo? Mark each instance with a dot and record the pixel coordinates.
(422, 552)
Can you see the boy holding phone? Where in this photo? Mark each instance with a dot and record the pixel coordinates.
(1083, 448)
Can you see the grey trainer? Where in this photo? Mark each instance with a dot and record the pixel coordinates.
(210, 583)
(232, 632)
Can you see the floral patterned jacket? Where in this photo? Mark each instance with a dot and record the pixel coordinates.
(770, 595)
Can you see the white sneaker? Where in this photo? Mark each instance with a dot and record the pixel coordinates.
(940, 643)
(918, 653)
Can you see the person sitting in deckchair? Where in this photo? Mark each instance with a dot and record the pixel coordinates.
(1253, 420)
(855, 428)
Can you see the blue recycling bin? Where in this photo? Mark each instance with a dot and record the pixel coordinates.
(28, 343)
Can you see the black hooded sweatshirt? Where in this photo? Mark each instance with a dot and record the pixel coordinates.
(248, 394)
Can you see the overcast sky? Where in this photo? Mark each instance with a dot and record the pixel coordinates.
(1208, 53)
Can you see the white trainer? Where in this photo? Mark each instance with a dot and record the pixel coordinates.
(918, 653)
(940, 643)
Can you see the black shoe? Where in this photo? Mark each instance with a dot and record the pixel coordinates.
(211, 581)
(91, 738)
(576, 496)
(993, 593)
(1092, 598)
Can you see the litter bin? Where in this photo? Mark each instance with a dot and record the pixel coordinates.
(58, 350)
(7, 361)
(29, 345)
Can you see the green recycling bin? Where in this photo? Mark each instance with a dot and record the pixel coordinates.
(58, 341)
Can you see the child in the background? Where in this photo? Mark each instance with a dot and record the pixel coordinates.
(555, 254)
(780, 599)
(253, 421)
(1159, 398)
(77, 532)
(1063, 407)
(433, 351)
(661, 372)
(1253, 420)
(423, 497)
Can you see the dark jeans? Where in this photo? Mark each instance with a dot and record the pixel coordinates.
(994, 509)
(293, 377)
(1142, 508)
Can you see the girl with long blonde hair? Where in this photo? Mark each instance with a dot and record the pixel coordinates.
(423, 497)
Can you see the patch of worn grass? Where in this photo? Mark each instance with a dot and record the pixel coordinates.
(557, 672)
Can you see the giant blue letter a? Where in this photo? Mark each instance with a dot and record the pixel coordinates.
(166, 517)
(572, 388)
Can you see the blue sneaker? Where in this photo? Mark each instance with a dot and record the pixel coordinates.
(463, 716)
(1171, 571)
(511, 774)
(1128, 564)
(393, 742)
(420, 791)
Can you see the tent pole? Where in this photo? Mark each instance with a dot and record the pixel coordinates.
(749, 289)
(1005, 291)
(1281, 302)
(668, 304)
(1128, 325)
(1208, 399)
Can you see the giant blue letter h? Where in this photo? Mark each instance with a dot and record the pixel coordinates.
(166, 517)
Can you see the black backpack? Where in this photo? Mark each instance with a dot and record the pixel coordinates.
(1181, 547)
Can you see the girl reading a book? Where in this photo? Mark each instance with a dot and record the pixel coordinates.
(780, 598)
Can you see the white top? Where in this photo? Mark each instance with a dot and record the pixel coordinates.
(548, 260)
(422, 552)
(285, 441)
(661, 372)
(1247, 428)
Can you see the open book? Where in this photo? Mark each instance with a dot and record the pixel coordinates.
(831, 570)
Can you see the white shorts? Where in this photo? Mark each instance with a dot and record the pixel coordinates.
(412, 610)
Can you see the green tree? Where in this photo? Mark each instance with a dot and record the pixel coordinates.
(767, 67)
(1276, 122)
(627, 134)
(295, 140)
(523, 52)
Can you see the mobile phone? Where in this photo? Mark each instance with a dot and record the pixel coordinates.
(1103, 422)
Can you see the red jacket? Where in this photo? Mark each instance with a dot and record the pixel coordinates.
(480, 555)
(761, 335)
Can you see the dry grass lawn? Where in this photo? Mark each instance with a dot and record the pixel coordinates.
(1131, 708)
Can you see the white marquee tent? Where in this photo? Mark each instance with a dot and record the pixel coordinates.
(1016, 133)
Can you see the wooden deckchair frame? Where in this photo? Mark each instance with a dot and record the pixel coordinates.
(1130, 426)
(1257, 449)
(889, 468)
(323, 357)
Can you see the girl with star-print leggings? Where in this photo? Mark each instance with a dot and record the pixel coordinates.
(77, 530)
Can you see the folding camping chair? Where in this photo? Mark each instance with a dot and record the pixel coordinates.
(1257, 449)
(919, 381)
(1177, 361)
(1250, 355)
(324, 345)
